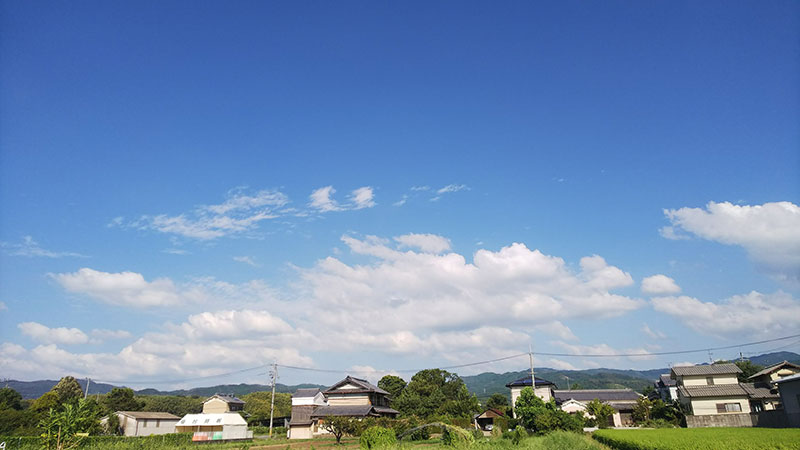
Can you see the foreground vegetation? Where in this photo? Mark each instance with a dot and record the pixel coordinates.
(701, 439)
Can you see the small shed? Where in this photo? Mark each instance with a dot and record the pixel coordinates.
(145, 423)
(485, 420)
(214, 427)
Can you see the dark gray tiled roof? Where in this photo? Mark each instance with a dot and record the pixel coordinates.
(604, 395)
(718, 390)
(762, 391)
(385, 410)
(306, 393)
(352, 411)
(526, 381)
(301, 415)
(229, 398)
(710, 369)
(773, 368)
(364, 386)
(666, 380)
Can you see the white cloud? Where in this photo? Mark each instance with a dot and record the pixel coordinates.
(428, 243)
(46, 335)
(753, 314)
(605, 349)
(234, 324)
(240, 213)
(660, 284)
(322, 201)
(402, 201)
(246, 260)
(770, 233)
(513, 287)
(452, 188)
(653, 334)
(3, 306)
(124, 288)
(30, 248)
(176, 251)
(558, 329)
(104, 334)
(362, 197)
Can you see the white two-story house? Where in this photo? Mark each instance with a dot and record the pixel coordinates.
(711, 389)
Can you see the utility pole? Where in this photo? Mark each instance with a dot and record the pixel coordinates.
(274, 375)
(533, 377)
(88, 380)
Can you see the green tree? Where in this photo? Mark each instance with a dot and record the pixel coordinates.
(122, 399)
(112, 426)
(543, 417)
(641, 412)
(748, 369)
(10, 399)
(392, 384)
(601, 411)
(435, 391)
(60, 429)
(257, 405)
(339, 426)
(68, 390)
(173, 404)
(647, 390)
(48, 401)
(498, 401)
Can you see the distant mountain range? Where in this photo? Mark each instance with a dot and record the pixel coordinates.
(483, 385)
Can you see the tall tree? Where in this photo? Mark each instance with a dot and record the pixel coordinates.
(68, 390)
(258, 405)
(10, 399)
(748, 369)
(436, 391)
(498, 401)
(392, 384)
(122, 399)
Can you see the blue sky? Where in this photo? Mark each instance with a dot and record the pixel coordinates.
(189, 188)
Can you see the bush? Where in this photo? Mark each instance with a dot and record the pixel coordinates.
(501, 423)
(456, 437)
(657, 423)
(516, 435)
(377, 437)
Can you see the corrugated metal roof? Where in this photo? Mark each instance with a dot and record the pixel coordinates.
(794, 377)
(718, 390)
(710, 369)
(526, 381)
(149, 415)
(604, 395)
(211, 420)
(761, 391)
(349, 410)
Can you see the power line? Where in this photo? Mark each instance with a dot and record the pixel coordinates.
(459, 366)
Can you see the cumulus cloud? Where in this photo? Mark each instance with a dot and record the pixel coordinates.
(642, 354)
(770, 233)
(103, 334)
(123, 288)
(753, 314)
(30, 248)
(46, 335)
(660, 284)
(514, 286)
(428, 243)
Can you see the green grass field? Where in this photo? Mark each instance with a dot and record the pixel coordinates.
(701, 439)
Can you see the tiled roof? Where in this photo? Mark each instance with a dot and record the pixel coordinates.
(709, 369)
(773, 368)
(149, 415)
(760, 391)
(385, 410)
(228, 398)
(718, 390)
(667, 381)
(364, 386)
(526, 381)
(604, 395)
(301, 415)
(306, 393)
(351, 411)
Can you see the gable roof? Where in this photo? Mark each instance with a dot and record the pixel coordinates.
(761, 391)
(708, 369)
(526, 381)
(149, 415)
(303, 393)
(301, 415)
(227, 398)
(666, 380)
(604, 395)
(364, 386)
(717, 390)
(773, 368)
(344, 410)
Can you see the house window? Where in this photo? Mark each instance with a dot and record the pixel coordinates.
(728, 407)
(710, 381)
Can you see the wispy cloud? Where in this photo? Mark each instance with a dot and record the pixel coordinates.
(30, 248)
(246, 260)
(322, 199)
(653, 334)
(449, 189)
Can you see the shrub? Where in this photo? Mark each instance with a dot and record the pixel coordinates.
(516, 435)
(377, 437)
(456, 437)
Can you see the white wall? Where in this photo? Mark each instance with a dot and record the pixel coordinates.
(701, 380)
(708, 406)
